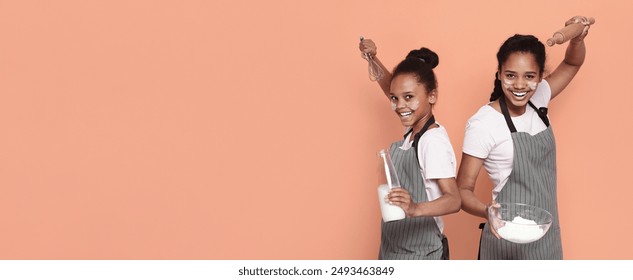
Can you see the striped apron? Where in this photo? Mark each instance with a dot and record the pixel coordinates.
(412, 238)
(533, 182)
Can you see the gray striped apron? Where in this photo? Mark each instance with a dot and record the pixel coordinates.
(533, 182)
(412, 238)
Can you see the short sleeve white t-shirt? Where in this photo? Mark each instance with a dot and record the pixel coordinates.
(437, 161)
(488, 137)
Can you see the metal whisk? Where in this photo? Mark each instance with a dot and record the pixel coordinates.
(375, 72)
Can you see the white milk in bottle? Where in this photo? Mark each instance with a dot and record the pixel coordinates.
(389, 212)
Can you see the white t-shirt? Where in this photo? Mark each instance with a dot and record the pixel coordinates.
(437, 161)
(488, 137)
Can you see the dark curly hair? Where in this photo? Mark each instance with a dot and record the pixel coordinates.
(420, 63)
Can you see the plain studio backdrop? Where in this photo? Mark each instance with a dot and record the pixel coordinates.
(249, 129)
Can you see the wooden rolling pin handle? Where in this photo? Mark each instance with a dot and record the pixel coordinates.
(568, 32)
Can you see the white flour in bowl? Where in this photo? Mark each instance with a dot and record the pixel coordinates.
(520, 231)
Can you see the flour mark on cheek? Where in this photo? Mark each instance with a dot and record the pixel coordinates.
(507, 83)
(413, 105)
(532, 85)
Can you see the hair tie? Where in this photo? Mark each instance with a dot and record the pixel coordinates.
(422, 59)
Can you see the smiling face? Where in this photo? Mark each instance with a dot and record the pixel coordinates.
(519, 77)
(411, 101)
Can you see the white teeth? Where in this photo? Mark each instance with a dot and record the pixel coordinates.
(519, 94)
(404, 114)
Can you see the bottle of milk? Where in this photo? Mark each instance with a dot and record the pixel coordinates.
(389, 212)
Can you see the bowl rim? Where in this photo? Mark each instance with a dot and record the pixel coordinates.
(551, 217)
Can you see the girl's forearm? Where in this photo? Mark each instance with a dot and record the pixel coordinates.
(575, 53)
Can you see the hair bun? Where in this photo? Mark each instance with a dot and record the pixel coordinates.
(426, 56)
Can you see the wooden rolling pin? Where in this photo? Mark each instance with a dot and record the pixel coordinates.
(568, 32)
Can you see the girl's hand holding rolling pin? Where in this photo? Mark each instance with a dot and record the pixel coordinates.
(583, 20)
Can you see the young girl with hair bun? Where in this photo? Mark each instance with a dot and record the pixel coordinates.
(424, 160)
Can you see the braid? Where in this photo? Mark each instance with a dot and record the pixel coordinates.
(497, 92)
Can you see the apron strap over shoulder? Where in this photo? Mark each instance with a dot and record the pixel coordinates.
(542, 113)
(506, 114)
(426, 126)
(416, 137)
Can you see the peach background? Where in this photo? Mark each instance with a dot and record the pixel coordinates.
(248, 129)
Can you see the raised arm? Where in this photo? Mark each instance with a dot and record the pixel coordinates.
(574, 58)
(367, 46)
